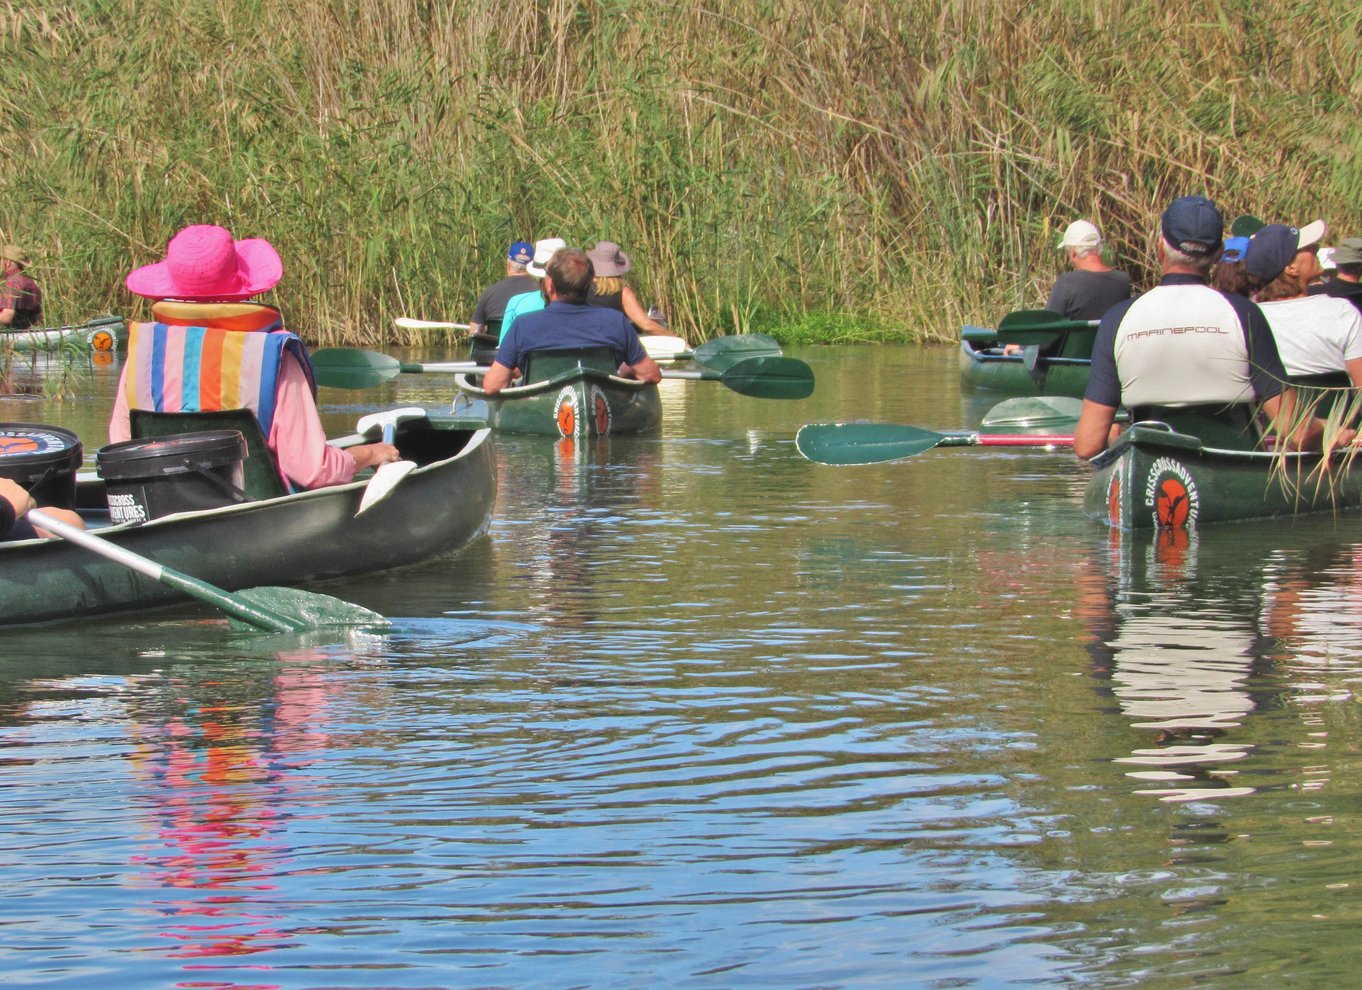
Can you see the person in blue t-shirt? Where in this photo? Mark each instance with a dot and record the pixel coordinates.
(568, 322)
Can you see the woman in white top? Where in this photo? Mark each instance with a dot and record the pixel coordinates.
(1316, 335)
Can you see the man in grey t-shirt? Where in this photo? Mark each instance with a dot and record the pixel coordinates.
(1092, 287)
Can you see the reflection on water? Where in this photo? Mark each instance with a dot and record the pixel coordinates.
(699, 713)
(1179, 657)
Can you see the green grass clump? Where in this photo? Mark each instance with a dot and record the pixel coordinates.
(904, 166)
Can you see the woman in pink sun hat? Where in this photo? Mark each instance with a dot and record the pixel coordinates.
(208, 349)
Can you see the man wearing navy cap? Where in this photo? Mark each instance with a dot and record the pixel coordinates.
(1183, 346)
(492, 303)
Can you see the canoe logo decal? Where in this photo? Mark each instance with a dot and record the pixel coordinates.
(1114, 500)
(600, 409)
(568, 415)
(102, 340)
(31, 441)
(1172, 494)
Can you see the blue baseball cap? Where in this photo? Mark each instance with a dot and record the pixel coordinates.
(1193, 225)
(1235, 249)
(522, 253)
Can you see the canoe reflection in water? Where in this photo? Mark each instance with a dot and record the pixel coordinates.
(1178, 658)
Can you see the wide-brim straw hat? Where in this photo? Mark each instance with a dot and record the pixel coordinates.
(608, 261)
(16, 254)
(204, 262)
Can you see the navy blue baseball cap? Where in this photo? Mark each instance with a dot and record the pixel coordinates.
(522, 253)
(1276, 246)
(1193, 225)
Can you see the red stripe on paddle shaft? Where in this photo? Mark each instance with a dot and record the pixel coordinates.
(1024, 440)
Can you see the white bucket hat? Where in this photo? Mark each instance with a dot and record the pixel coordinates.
(543, 251)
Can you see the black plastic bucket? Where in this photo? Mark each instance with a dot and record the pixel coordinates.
(44, 459)
(181, 472)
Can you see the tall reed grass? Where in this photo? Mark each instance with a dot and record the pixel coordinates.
(837, 170)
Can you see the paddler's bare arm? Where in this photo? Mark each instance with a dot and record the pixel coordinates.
(1095, 429)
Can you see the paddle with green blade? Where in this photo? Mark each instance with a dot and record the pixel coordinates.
(760, 377)
(724, 352)
(764, 377)
(873, 443)
(284, 610)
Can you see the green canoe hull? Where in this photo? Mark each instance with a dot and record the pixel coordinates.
(988, 369)
(108, 333)
(1152, 478)
(572, 399)
(443, 504)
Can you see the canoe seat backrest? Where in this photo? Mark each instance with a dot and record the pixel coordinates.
(1226, 428)
(543, 365)
(261, 471)
(486, 342)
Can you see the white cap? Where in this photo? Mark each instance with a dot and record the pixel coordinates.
(1326, 258)
(543, 251)
(1080, 234)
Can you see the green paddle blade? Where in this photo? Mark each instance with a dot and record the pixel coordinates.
(309, 609)
(978, 336)
(347, 367)
(863, 443)
(724, 352)
(1033, 414)
(1038, 326)
(769, 378)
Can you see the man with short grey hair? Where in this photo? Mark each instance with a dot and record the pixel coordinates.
(1093, 286)
(1183, 346)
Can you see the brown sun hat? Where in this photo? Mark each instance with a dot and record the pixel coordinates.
(608, 260)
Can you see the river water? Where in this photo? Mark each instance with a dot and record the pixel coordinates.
(700, 713)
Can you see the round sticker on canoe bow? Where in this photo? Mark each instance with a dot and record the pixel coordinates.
(566, 412)
(1171, 494)
(102, 340)
(600, 409)
(32, 440)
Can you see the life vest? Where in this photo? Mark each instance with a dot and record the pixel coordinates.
(203, 357)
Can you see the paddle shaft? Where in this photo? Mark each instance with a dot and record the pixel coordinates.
(202, 590)
(407, 323)
(1006, 440)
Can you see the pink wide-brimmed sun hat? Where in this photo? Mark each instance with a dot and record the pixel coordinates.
(203, 262)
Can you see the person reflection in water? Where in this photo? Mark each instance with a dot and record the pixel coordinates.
(1178, 662)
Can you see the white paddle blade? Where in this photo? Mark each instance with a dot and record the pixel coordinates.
(383, 483)
(661, 348)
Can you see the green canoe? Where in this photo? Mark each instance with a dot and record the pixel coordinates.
(570, 393)
(441, 505)
(1055, 355)
(106, 333)
(1154, 478)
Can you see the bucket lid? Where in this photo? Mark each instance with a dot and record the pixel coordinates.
(175, 453)
(33, 442)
